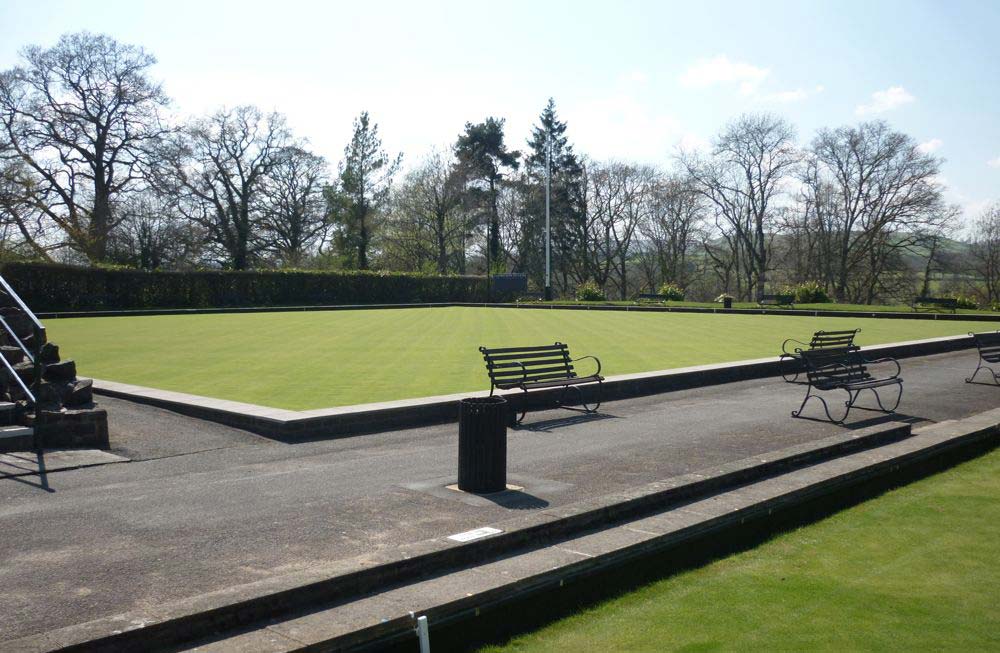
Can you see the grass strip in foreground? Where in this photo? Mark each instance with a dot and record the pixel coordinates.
(915, 569)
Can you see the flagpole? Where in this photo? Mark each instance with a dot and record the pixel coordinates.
(548, 232)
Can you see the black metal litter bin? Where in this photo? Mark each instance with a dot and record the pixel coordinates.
(482, 444)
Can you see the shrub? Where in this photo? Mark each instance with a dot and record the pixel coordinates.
(590, 292)
(672, 292)
(810, 292)
(965, 301)
(48, 287)
(995, 306)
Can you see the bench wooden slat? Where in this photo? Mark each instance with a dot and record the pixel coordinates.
(529, 356)
(512, 350)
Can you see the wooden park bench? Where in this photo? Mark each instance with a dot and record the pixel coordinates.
(650, 297)
(846, 369)
(988, 345)
(538, 368)
(934, 304)
(791, 357)
(530, 297)
(777, 300)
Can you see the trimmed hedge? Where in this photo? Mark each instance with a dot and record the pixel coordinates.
(47, 287)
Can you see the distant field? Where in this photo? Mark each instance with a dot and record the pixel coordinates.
(304, 360)
(914, 570)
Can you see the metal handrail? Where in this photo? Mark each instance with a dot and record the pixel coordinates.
(39, 337)
(20, 303)
(20, 382)
(17, 340)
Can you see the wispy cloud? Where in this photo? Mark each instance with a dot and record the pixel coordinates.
(931, 146)
(994, 163)
(787, 97)
(887, 100)
(721, 70)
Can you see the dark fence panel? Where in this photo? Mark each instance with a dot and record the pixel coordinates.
(47, 287)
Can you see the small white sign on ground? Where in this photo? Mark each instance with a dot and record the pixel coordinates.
(475, 534)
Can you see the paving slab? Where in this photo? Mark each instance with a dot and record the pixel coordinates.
(186, 521)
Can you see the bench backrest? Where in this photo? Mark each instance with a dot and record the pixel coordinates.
(988, 344)
(831, 367)
(833, 339)
(947, 302)
(510, 366)
(777, 299)
(646, 295)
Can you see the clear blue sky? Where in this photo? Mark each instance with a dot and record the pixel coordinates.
(633, 79)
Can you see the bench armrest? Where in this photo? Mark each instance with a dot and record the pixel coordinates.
(594, 358)
(797, 350)
(887, 359)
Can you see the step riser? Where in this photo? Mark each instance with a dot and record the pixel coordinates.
(23, 441)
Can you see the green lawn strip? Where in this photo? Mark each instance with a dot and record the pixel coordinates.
(304, 360)
(914, 570)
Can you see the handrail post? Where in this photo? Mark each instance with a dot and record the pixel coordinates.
(38, 335)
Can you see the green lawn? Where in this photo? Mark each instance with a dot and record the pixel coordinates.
(914, 570)
(303, 360)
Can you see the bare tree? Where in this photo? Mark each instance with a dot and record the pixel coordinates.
(294, 210)
(986, 251)
(80, 117)
(26, 225)
(217, 167)
(426, 219)
(750, 162)
(669, 232)
(617, 204)
(881, 196)
(151, 234)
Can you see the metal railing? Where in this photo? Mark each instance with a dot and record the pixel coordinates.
(33, 353)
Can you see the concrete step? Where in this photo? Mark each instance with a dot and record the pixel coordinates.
(7, 412)
(16, 438)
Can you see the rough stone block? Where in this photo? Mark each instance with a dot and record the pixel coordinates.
(49, 353)
(61, 371)
(81, 427)
(13, 354)
(78, 393)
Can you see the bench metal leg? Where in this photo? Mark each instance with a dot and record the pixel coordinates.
(524, 408)
(579, 394)
(878, 399)
(791, 368)
(980, 366)
(826, 409)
